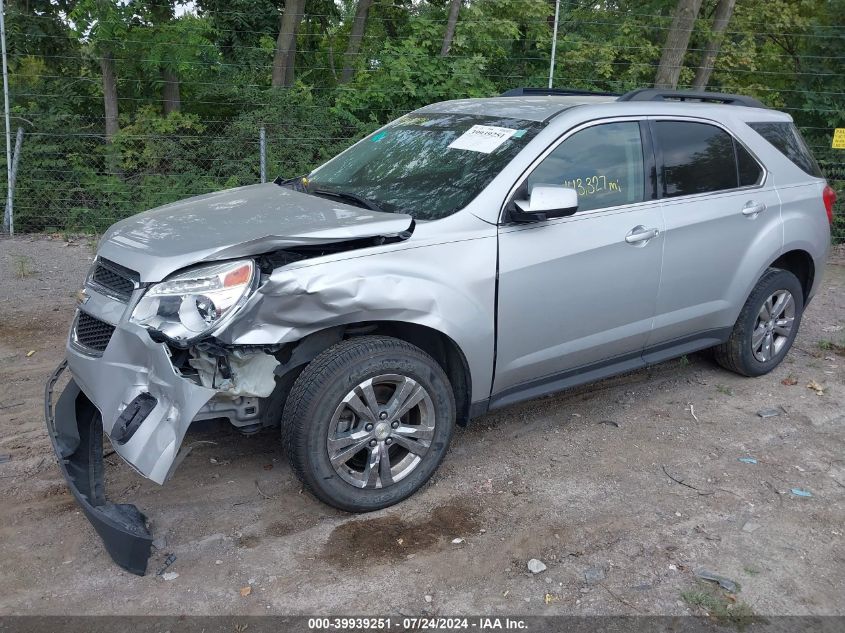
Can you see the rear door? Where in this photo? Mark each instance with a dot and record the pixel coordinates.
(580, 291)
(719, 208)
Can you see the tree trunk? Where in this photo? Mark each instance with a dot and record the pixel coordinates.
(109, 94)
(454, 10)
(683, 21)
(290, 66)
(331, 62)
(286, 43)
(170, 95)
(724, 11)
(355, 37)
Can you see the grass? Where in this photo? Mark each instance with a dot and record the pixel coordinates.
(684, 361)
(723, 389)
(721, 606)
(830, 346)
(23, 266)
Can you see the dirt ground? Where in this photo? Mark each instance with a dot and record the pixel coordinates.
(583, 481)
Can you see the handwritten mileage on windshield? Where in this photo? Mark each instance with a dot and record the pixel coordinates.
(591, 185)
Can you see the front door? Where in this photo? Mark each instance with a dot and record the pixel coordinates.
(579, 292)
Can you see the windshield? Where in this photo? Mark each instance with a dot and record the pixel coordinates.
(427, 166)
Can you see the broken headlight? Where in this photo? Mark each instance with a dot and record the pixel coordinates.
(196, 302)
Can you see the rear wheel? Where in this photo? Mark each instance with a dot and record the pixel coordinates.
(766, 327)
(367, 422)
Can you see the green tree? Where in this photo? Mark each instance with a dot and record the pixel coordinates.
(104, 26)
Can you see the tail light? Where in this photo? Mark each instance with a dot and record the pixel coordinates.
(829, 197)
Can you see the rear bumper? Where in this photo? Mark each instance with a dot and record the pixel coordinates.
(76, 431)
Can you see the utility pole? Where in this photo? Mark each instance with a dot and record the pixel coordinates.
(9, 220)
(554, 44)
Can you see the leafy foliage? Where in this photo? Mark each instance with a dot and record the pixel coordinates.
(786, 52)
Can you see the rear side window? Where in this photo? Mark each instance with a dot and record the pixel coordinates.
(786, 138)
(750, 172)
(697, 158)
(702, 158)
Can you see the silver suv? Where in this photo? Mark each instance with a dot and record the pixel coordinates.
(467, 256)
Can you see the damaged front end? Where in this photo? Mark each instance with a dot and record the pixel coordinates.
(147, 434)
(145, 362)
(143, 394)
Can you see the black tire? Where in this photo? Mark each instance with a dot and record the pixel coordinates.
(736, 353)
(317, 394)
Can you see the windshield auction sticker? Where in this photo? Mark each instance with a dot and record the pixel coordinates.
(482, 138)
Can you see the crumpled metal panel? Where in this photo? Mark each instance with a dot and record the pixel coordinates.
(132, 364)
(237, 223)
(449, 287)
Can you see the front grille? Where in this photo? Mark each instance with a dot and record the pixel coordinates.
(114, 279)
(91, 332)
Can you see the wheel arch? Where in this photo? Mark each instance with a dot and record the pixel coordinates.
(442, 348)
(800, 263)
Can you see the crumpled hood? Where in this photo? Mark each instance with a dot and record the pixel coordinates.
(235, 223)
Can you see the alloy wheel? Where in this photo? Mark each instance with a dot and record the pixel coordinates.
(380, 431)
(773, 325)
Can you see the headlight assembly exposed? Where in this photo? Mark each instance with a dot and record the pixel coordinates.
(197, 301)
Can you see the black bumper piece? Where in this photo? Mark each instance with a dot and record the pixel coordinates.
(76, 430)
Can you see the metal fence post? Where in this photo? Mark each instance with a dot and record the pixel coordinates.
(9, 217)
(262, 148)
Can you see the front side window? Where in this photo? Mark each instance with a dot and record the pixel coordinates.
(697, 158)
(427, 166)
(603, 163)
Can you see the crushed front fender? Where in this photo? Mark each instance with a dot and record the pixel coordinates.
(76, 431)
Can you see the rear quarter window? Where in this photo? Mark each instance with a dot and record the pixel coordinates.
(787, 140)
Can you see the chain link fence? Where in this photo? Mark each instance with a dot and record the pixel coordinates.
(70, 179)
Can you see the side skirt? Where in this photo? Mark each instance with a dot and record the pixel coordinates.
(554, 383)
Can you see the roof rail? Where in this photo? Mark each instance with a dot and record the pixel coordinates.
(656, 94)
(554, 92)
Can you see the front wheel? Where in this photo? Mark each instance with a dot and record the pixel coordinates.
(367, 422)
(766, 327)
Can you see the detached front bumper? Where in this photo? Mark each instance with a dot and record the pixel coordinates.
(145, 406)
(132, 393)
(76, 431)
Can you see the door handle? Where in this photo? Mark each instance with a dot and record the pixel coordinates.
(641, 235)
(753, 208)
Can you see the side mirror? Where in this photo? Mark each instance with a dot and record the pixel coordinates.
(544, 203)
